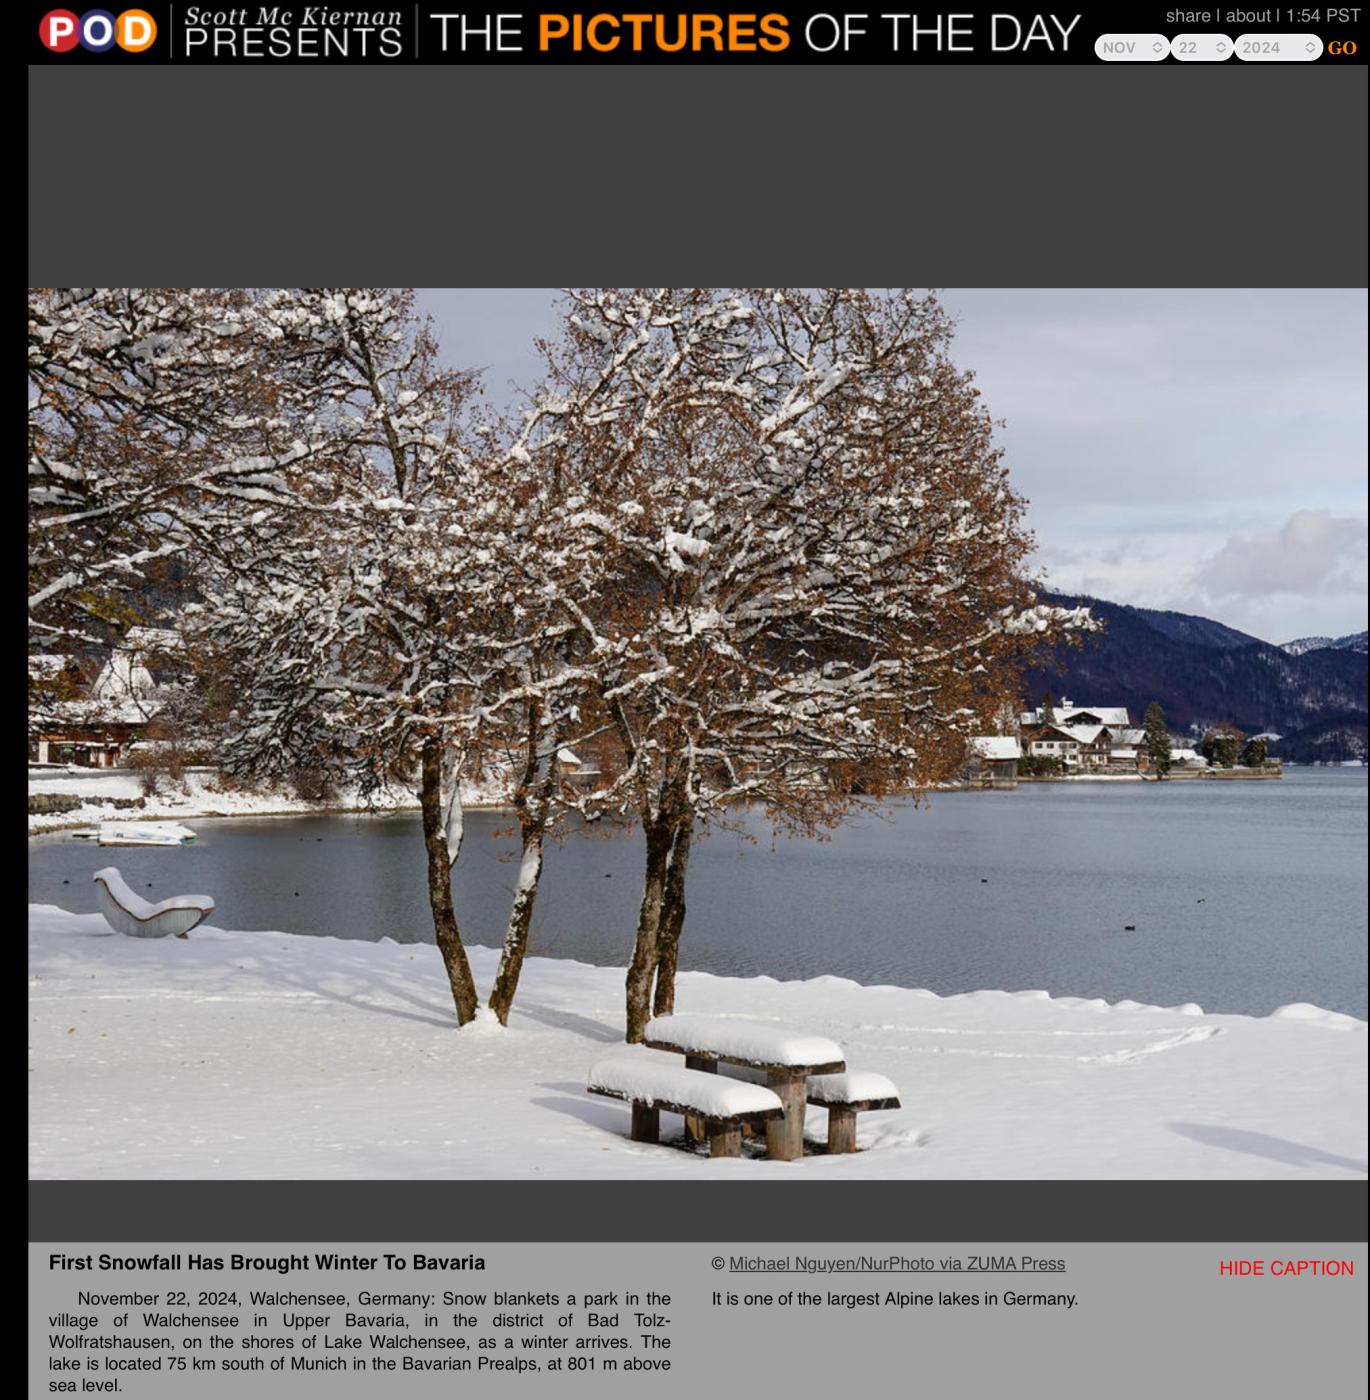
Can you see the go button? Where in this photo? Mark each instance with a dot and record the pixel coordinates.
(1131, 48)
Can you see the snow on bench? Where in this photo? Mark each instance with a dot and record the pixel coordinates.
(859, 1089)
(128, 913)
(756, 1043)
(651, 1084)
(788, 1057)
(846, 1095)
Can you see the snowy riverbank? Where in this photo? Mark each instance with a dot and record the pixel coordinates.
(199, 796)
(270, 1055)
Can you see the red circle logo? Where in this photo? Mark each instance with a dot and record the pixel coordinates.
(59, 31)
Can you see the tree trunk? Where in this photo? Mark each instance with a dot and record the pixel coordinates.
(643, 965)
(534, 804)
(520, 919)
(672, 919)
(441, 858)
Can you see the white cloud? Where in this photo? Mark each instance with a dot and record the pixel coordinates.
(1306, 576)
(1313, 554)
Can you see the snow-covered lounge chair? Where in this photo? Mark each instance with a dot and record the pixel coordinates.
(846, 1095)
(650, 1084)
(126, 912)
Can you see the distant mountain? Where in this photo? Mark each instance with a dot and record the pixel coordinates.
(1354, 641)
(1338, 739)
(1202, 672)
(1203, 632)
(1302, 644)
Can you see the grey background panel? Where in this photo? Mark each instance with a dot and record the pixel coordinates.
(618, 1211)
(1146, 1320)
(1105, 175)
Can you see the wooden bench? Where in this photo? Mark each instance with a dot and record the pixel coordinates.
(788, 1058)
(846, 1095)
(128, 913)
(650, 1085)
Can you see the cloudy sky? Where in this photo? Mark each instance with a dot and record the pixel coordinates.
(1201, 451)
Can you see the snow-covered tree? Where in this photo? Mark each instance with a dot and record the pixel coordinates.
(1255, 751)
(356, 643)
(1221, 744)
(761, 541)
(152, 436)
(803, 560)
(408, 631)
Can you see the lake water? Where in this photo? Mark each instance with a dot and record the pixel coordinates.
(1245, 896)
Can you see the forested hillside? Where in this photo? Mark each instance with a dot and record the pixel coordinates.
(1202, 672)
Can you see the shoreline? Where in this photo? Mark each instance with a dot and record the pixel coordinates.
(102, 789)
(109, 795)
(72, 821)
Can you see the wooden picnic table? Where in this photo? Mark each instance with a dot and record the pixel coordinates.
(786, 1056)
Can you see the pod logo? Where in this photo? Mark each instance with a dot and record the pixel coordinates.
(97, 31)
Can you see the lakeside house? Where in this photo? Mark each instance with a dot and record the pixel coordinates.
(993, 761)
(94, 726)
(1075, 746)
(1085, 738)
(1092, 739)
(578, 771)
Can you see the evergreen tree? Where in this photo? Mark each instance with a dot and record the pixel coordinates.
(1156, 739)
(1222, 744)
(1254, 753)
(1048, 715)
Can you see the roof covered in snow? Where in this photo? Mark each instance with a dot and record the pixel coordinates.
(123, 677)
(127, 709)
(997, 746)
(1105, 714)
(1112, 715)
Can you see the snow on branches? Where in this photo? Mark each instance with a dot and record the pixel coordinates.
(790, 547)
(751, 546)
(153, 436)
(798, 560)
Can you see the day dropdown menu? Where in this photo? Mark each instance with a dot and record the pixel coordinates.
(1201, 48)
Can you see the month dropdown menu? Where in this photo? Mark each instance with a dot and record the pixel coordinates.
(1131, 48)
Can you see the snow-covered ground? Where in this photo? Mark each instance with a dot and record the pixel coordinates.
(273, 1055)
(200, 796)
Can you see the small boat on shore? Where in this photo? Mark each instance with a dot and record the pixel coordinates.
(139, 834)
